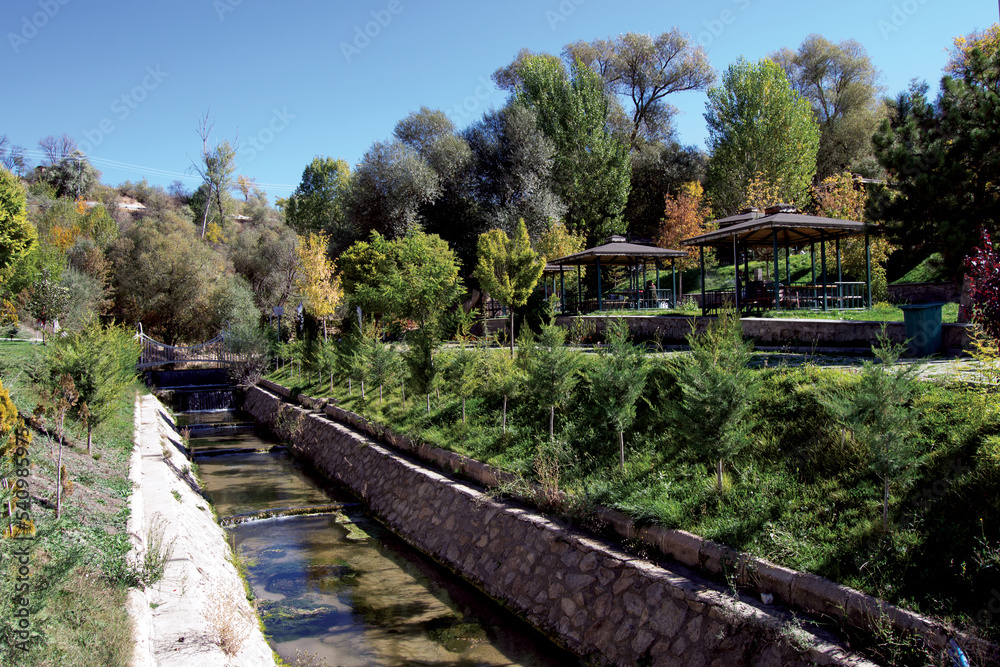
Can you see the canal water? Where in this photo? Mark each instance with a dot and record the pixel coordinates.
(338, 588)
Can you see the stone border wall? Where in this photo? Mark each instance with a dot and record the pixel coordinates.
(808, 334)
(600, 602)
(804, 591)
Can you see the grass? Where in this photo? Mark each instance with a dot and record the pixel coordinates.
(79, 573)
(800, 494)
(931, 270)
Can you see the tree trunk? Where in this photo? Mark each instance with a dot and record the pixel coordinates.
(208, 206)
(362, 389)
(402, 388)
(621, 444)
(331, 380)
(505, 414)
(718, 476)
(350, 387)
(552, 422)
(511, 333)
(380, 394)
(885, 507)
(428, 404)
(463, 411)
(59, 476)
(89, 429)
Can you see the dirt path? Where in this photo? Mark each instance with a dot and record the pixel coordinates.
(198, 613)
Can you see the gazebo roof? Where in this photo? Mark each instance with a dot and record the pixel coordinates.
(792, 229)
(615, 252)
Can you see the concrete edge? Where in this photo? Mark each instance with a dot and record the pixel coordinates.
(137, 602)
(806, 591)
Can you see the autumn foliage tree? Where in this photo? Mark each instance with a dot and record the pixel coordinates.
(317, 281)
(684, 216)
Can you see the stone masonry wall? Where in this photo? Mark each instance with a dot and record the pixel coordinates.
(822, 335)
(595, 599)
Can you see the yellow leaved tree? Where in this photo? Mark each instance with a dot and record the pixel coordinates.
(318, 282)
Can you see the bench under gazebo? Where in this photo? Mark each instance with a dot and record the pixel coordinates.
(782, 227)
(616, 252)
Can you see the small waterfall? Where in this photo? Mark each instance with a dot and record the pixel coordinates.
(204, 400)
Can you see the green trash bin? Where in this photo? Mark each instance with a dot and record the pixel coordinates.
(923, 328)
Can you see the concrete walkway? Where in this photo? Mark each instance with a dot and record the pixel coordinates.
(198, 613)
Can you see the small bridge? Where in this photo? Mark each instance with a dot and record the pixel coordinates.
(155, 353)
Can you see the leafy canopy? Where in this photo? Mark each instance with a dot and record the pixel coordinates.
(759, 127)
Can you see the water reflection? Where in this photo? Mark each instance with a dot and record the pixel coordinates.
(342, 588)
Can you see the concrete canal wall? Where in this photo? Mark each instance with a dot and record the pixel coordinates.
(591, 596)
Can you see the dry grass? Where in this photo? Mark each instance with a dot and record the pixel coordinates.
(228, 620)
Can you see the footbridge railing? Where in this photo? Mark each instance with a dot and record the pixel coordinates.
(156, 353)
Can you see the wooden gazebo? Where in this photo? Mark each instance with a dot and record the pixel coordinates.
(783, 227)
(618, 252)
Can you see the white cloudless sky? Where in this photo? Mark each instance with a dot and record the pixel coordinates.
(130, 80)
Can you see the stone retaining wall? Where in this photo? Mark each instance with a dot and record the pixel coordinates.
(811, 334)
(925, 292)
(597, 600)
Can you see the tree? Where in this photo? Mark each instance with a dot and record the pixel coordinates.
(216, 168)
(502, 376)
(390, 185)
(842, 86)
(758, 125)
(943, 159)
(414, 277)
(508, 269)
(841, 197)
(72, 176)
(165, 279)
(465, 374)
(983, 270)
(878, 415)
(717, 391)
(49, 299)
(618, 380)
(512, 173)
(12, 157)
(17, 234)
(591, 164)
(684, 216)
(266, 255)
(987, 41)
(553, 372)
(317, 281)
(56, 149)
(319, 203)
(644, 70)
(658, 170)
(101, 362)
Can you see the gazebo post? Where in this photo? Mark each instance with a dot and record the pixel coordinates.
(673, 275)
(822, 254)
(840, 277)
(579, 291)
(701, 250)
(788, 271)
(777, 284)
(868, 267)
(656, 294)
(812, 259)
(562, 290)
(600, 301)
(643, 292)
(736, 279)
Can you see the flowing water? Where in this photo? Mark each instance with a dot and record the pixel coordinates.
(338, 588)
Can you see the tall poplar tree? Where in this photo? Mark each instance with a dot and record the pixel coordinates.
(759, 128)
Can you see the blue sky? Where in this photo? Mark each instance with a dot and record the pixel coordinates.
(130, 80)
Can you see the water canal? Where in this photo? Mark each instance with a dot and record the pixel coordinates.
(338, 588)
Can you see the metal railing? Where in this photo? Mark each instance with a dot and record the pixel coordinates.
(156, 353)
